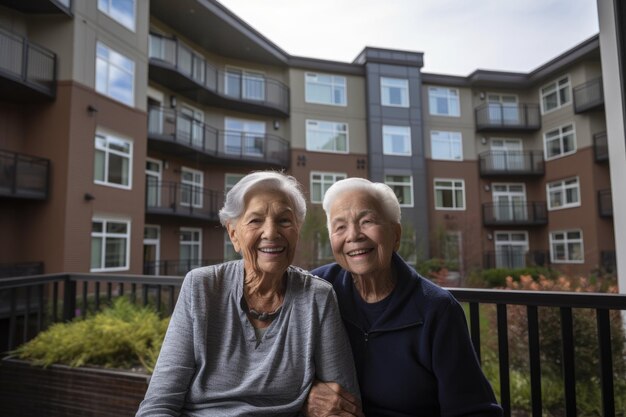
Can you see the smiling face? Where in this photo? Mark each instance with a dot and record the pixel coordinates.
(362, 238)
(266, 234)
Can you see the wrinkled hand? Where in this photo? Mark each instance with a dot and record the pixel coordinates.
(328, 399)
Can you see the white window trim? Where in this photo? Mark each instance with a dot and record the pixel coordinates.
(156, 242)
(383, 96)
(103, 235)
(410, 185)
(561, 155)
(243, 73)
(192, 230)
(410, 142)
(453, 189)
(106, 93)
(306, 139)
(308, 100)
(556, 82)
(430, 111)
(582, 247)
(107, 135)
(201, 186)
(322, 173)
(134, 25)
(159, 177)
(432, 155)
(563, 188)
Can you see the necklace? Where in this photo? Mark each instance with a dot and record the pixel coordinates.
(258, 315)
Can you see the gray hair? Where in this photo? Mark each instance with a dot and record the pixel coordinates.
(235, 200)
(381, 192)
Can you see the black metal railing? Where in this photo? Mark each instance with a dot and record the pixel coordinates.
(27, 63)
(588, 96)
(513, 258)
(516, 117)
(23, 176)
(176, 267)
(170, 126)
(30, 304)
(248, 87)
(20, 269)
(179, 199)
(515, 213)
(511, 163)
(40, 6)
(600, 147)
(605, 203)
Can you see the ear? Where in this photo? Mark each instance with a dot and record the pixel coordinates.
(397, 229)
(233, 236)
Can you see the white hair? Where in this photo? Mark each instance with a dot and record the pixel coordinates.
(235, 199)
(381, 192)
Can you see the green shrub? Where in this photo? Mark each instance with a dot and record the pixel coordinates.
(121, 336)
(496, 277)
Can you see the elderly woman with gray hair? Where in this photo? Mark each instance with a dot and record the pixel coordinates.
(248, 337)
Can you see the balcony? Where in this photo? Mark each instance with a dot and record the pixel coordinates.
(176, 267)
(492, 117)
(27, 71)
(181, 135)
(182, 200)
(505, 163)
(515, 258)
(40, 6)
(605, 203)
(177, 67)
(70, 294)
(515, 214)
(23, 177)
(601, 147)
(589, 96)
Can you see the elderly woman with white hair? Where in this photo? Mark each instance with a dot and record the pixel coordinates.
(248, 337)
(409, 337)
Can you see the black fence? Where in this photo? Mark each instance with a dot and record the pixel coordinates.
(588, 96)
(512, 163)
(605, 203)
(176, 267)
(515, 213)
(23, 176)
(600, 147)
(507, 117)
(515, 258)
(178, 199)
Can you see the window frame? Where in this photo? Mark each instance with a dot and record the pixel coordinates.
(107, 61)
(193, 185)
(228, 175)
(560, 137)
(192, 243)
(107, 136)
(333, 131)
(559, 186)
(107, 12)
(245, 75)
(556, 89)
(432, 111)
(332, 84)
(103, 235)
(391, 184)
(450, 142)
(453, 189)
(565, 242)
(335, 176)
(385, 90)
(407, 137)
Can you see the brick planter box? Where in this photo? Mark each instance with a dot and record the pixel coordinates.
(59, 390)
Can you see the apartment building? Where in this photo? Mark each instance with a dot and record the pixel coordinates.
(123, 122)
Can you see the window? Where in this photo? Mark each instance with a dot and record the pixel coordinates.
(230, 180)
(555, 95)
(229, 249)
(123, 11)
(449, 194)
(326, 136)
(325, 89)
(397, 140)
(394, 92)
(154, 169)
(563, 194)
(190, 249)
(151, 249)
(446, 146)
(191, 183)
(402, 185)
(245, 84)
(244, 137)
(443, 101)
(321, 182)
(113, 161)
(560, 142)
(567, 246)
(110, 245)
(115, 75)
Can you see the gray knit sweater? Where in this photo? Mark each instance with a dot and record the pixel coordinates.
(211, 364)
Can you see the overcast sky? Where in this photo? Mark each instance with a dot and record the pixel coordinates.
(456, 36)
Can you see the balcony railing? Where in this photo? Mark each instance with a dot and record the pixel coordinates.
(36, 302)
(27, 70)
(515, 258)
(178, 199)
(507, 117)
(40, 6)
(177, 66)
(588, 96)
(511, 163)
(600, 147)
(23, 176)
(605, 203)
(21, 269)
(175, 132)
(176, 267)
(515, 214)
